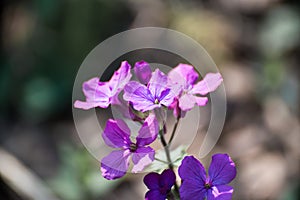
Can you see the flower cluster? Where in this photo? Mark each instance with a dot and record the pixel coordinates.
(141, 96)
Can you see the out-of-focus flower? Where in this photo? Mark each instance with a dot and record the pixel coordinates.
(196, 185)
(184, 77)
(102, 94)
(154, 95)
(142, 71)
(159, 185)
(117, 135)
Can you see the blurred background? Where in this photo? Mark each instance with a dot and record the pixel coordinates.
(255, 43)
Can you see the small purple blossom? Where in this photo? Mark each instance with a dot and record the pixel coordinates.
(159, 185)
(154, 95)
(196, 185)
(102, 94)
(117, 135)
(142, 71)
(184, 77)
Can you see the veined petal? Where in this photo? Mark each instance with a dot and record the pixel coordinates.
(185, 75)
(116, 134)
(120, 78)
(210, 83)
(151, 180)
(192, 170)
(142, 71)
(115, 165)
(154, 195)
(167, 178)
(221, 192)
(139, 96)
(221, 170)
(148, 132)
(191, 190)
(187, 102)
(97, 94)
(157, 83)
(167, 97)
(141, 158)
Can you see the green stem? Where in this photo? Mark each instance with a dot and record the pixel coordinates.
(174, 130)
(170, 163)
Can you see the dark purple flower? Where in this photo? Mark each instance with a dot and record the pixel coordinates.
(142, 71)
(117, 135)
(154, 95)
(159, 185)
(196, 185)
(102, 94)
(187, 90)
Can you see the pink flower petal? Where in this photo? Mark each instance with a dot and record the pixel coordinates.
(115, 165)
(141, 158)
(148, 132)
(142, 71)
(116, 134)
(187, 102)
(210, 83)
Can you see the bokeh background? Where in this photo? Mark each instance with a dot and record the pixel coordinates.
(255, 43)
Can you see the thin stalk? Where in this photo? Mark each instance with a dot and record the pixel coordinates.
(174, 130)
(170, 163)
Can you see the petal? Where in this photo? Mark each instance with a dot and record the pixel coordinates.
(116, 134)
(151, 180)
(115, 165)
(167, 178)
(210, 83)
(201, 101)
(191, 169)
(221, 170)
(167, 97)
(142, 71)
(141, 158)
(120, 78)
(139, 96)
(148, 132)
(221, 192)
(184, 75)
(157, 83)
(187, 102)
(154, 195)
(191, 190)
(97, 94)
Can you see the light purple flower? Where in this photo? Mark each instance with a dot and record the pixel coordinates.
(196, 185)
(154, 95)
(159, 185)
(117, 135)
(102, 94)
(142, 71)
(184, 77)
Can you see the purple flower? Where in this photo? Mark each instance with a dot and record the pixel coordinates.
(154, 95)
(184, 76)
(117, 135)
(102, 94)
(142, 71)
(196, 185)
(159, 185)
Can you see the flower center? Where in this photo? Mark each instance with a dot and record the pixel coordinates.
(207, 185)
(156, 101)
(133, 147)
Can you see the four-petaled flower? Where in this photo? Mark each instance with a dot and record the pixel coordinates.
(159, 185)
(196, 185)
(184, 77)
(154, 95)
(117, 135)
(102, 94)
